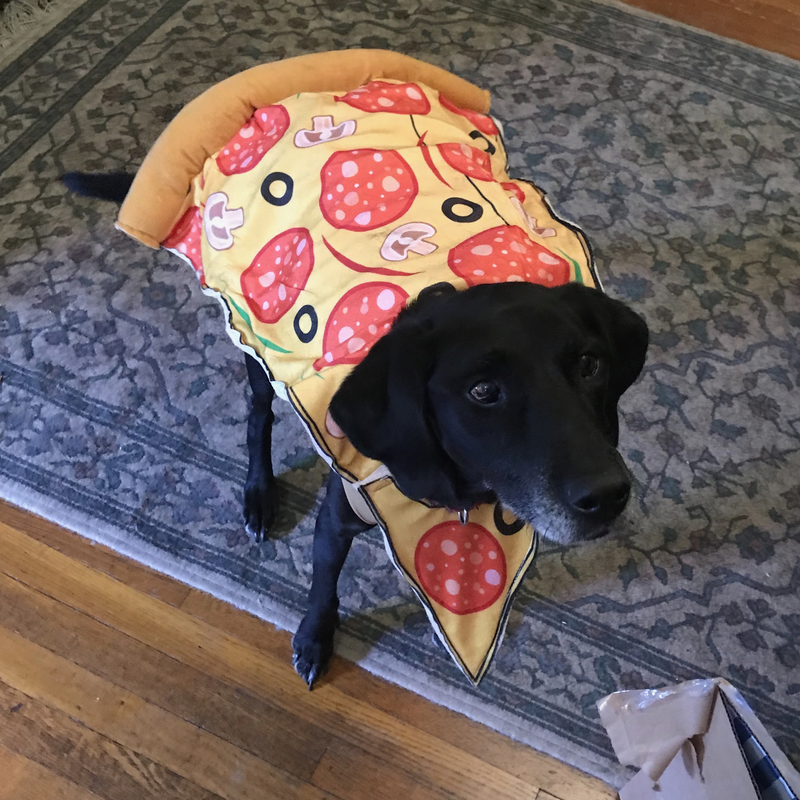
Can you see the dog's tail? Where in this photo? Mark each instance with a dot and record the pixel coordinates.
(102, 185)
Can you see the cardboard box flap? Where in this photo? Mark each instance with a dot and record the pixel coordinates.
(648, 728)
(698, 740)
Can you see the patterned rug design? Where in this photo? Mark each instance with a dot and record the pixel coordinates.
(677, 152)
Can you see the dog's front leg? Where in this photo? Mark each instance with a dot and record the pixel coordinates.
(259, 489)
(336, 526)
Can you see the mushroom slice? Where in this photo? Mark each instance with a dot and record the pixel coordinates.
(530, 222)
(219, 221)
(324, 131)
(408, 238)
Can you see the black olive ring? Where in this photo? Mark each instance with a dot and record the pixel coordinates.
(303, 336)
(506, 528)
(266, 188)
(448, 209)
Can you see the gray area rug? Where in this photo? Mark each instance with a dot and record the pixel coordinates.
(680, 156)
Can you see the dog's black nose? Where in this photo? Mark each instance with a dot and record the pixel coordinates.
(601, 497)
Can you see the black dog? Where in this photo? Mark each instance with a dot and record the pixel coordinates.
(502, 392)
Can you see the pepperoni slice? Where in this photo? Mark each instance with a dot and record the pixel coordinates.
(279, 272)
(462, 567)
(506, 253)
(358, 320)
(395, 98)
(366, 189)
(185, 237)
(468, 160)
(513, 188)
(254, 139)
(483, 123)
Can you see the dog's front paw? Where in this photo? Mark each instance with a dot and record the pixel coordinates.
(313, 645)
(259, 509)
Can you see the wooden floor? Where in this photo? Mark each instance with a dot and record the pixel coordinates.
(771, 24)
(117, 682)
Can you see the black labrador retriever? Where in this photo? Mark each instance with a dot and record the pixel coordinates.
(502, 392)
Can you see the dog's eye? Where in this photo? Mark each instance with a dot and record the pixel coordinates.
(589, 365)
(485, 392)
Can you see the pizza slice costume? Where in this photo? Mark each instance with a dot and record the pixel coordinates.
(316, 197)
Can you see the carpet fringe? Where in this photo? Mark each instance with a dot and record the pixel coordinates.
(22, 22)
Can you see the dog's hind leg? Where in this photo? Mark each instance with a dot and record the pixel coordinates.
(259, 489)
(337, 525)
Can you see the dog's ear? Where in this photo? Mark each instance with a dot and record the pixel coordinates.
(624, 331)
(382, 408)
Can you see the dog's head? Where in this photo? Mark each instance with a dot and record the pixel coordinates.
(505, 392)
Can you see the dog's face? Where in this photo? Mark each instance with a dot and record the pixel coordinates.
(505, 392)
